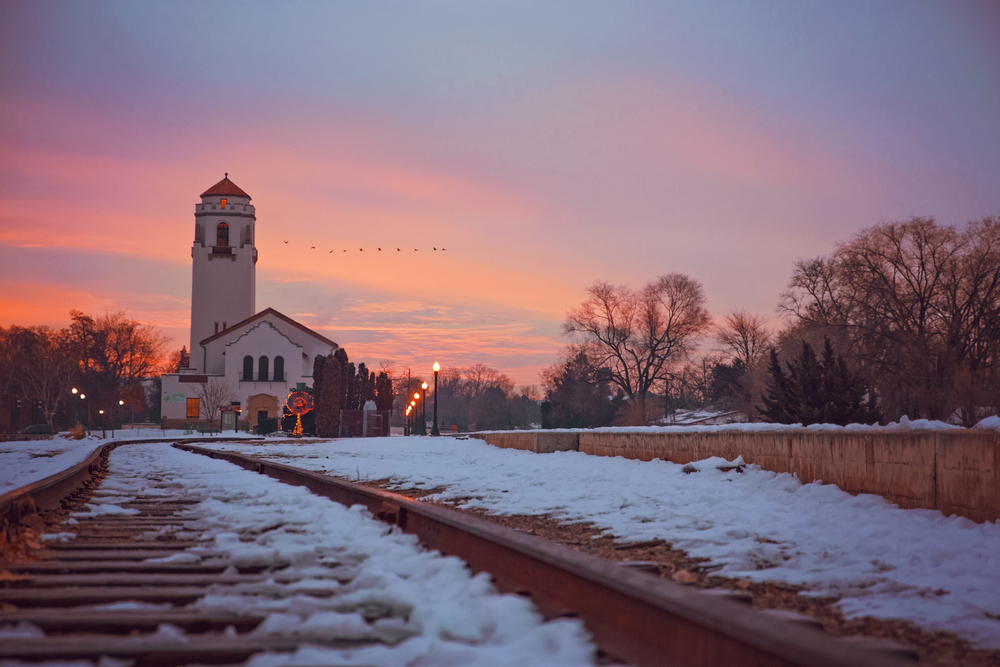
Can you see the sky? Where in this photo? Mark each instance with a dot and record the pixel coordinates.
(545, 145)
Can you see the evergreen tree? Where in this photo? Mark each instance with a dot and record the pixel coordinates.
(807, 378)
(319, 397)
(361, 382)
(579, 396)
(780, 402)
(352, 388)
(814, 392)
(729, 386)
(326, 398)
(384, 396)
(340, 354)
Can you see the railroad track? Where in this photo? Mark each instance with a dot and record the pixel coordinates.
(149, 576)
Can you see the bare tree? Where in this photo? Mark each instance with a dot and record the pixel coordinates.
(212, 397)
(481, 377)
(745, 337)
(113, 353)
(45, 366)
(637, 334)
(917, 307)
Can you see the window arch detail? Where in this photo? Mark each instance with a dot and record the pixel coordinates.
(279, 369)
(262, 368)
(222, 235)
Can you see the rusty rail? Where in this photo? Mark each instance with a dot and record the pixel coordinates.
(49, 493)
(632, 616)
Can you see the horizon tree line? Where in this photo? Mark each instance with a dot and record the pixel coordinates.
(906, 313)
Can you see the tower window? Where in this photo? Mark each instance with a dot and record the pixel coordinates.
(223, 203)
(222, 235)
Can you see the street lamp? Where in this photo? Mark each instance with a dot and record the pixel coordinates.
(434, 429)
(423, 410)
(104, 430)
(418, 430)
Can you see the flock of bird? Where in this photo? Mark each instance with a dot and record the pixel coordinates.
(380, 249)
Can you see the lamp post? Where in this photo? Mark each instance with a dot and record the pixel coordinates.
(118, 411)
(434, 428)
(419, 430)
(423, 411)
(104, 430)
(413, 404)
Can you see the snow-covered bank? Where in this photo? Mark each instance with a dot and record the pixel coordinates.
(941, 573)
(904, 424)
(25, 461)
(433, 611)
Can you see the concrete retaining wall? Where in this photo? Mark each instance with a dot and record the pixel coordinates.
(957, 472)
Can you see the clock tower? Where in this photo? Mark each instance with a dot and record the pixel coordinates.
(223, 276)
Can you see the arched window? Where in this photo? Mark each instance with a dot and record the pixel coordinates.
(279, 369)
(262, 369)
(248, 368)
(222, 235)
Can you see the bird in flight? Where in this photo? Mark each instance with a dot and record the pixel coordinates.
(313, 248)
(331, 251)
(435, 248)
(286, 241)
(397, 249)
(380, 249)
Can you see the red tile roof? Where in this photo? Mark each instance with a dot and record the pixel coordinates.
(225, 187)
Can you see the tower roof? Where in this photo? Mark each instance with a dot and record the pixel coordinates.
(225, 187)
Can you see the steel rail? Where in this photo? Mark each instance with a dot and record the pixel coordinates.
(633, 616)
(49, 493)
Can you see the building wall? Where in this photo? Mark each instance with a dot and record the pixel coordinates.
(267, 336)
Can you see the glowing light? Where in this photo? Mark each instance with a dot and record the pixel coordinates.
(74, 390)
(436, 367)
(121, 402)
(423, 385)
(416, 395)
(82, 396)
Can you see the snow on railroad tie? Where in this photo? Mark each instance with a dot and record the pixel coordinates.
(350, 569)
(941, 573)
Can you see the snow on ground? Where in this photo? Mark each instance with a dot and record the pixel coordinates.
(904, 424)
(435, 612)
(942, 573)
(25, 461)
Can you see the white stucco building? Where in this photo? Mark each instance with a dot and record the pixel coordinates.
(262, 356)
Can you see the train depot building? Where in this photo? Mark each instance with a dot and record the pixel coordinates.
(261, 356)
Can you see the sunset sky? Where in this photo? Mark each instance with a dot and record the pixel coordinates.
(546, 145)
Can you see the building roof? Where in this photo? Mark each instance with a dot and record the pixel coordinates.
(261, 314)
(225, 187)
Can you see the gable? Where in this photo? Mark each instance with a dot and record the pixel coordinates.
(264, 313)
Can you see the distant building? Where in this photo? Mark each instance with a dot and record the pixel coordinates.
(262, 356)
